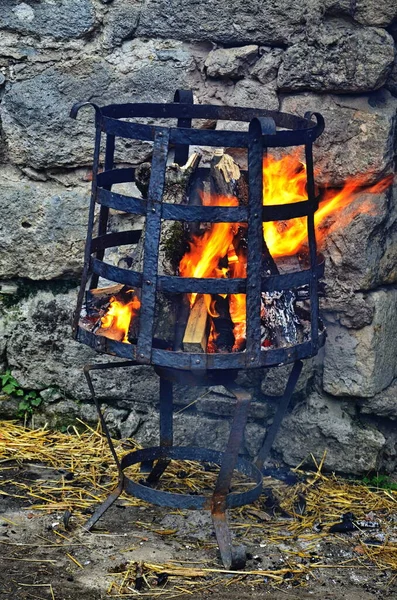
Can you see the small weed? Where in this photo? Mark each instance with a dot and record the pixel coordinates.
(380, 482)
(28, 400)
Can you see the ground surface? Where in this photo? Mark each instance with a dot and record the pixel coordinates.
(40, 558)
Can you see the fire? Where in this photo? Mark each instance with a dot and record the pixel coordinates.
(115, 324)
(205, 252)
(284, 181)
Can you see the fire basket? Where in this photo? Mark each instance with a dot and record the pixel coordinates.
(273, 298)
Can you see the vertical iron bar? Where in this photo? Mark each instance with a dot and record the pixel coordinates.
(311, 231)
(166, 429)
(182, 151)
(280, 412)
(257, 128)
(91, 215)
(104, 210)
(151, 244)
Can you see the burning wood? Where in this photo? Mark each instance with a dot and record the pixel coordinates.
(216, 323)
(197, 328)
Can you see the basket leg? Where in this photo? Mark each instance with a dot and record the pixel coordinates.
(232, 558)
(280, 413)
(116, 493)
(166, 429)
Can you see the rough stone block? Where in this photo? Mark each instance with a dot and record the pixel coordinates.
(35, 111)
(41, 354)
(362, 362)
(189, 430)
(321, 424)
(391, 83)
(358, 137)
(266, 69)
(68, 19)
(121, 21)
(233, 22)
(231, 62)
(360, 247)
(42, 230)
(383, 404)
(338, 59)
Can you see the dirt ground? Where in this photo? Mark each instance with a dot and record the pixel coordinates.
(40, 559)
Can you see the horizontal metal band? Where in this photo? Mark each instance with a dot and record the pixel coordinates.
(205, 137)
(136, 206)
(209, 285)
(206, 214)
(284, 212)
(204, 111)
(186, 361)
(188, 501)
(115, 274)
(114, 176)
(110, 240)
(209, 214)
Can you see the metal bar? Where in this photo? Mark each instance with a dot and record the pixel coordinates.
(151, 245)
(104, 210)
(218, 508)
(91, 214)
(216, 112)
(257, 129)
(205, 137)
(311, 231)
(183, 97)
(278, 417)
(166, 429)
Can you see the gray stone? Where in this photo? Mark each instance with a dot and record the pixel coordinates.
(383, 404)
(254, 436)
(223, 406)
(130, 425)
(121, 21)
(41, 354)
(362, 362)
(69, 19)
(266, 69)
(352, 123)
(391, 83)
(42, 230)
(372, 12)
(276, 379)
(35, 112)
(366, 12)
(360, 246)
(321, 424)
(253, 94)
(2, 343)
(339, 59)
(231, 62)
(234, 22)
(189, 430)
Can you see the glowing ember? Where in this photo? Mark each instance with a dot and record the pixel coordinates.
(284, 182)
(115, 324)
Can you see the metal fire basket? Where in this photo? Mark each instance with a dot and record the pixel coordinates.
(267, 129)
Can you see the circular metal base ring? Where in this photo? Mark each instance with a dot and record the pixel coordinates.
(192, 502)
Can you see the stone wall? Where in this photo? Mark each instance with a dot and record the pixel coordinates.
(337, 57)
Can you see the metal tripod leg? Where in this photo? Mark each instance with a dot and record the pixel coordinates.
(231, 557)
(166, 429)
(278, 417)
(116, 493)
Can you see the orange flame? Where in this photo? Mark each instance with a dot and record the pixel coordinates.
(205, 252)
(115, 324)
(284, 181)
